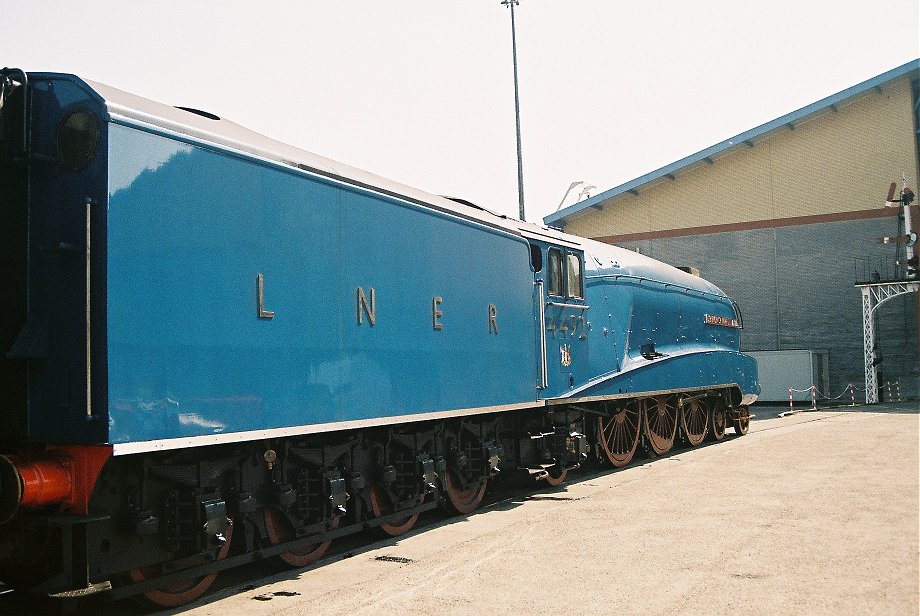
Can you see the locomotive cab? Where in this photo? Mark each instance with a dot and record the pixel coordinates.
(562, 316)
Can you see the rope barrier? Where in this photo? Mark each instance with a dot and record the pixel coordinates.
(851, 388)
(814, 397)
(814, 405)
(842, 394)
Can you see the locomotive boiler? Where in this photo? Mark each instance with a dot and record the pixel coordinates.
(219, 348)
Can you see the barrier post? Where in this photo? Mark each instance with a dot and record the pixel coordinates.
(790, 399)
(898, 388)
(814, 398)
(888, 385)
(852, 396)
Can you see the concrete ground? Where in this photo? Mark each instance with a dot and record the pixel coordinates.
(816, 513)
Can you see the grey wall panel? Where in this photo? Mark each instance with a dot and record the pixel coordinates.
(795, 288)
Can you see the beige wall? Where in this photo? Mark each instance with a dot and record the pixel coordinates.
(834, 162)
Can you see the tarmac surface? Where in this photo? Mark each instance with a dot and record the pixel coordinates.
(815, 513)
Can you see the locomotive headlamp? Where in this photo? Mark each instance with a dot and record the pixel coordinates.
(78, 139)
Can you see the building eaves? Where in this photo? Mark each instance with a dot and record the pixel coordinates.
(746, 139)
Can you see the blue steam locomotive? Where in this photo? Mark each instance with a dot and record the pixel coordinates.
(218, 348)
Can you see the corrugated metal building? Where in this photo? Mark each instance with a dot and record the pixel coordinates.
(784, 218)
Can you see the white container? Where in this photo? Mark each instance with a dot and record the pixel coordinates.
(799, 369)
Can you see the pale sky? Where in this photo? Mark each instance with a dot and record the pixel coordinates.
(421, 91)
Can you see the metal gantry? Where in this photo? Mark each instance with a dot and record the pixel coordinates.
(873, 296)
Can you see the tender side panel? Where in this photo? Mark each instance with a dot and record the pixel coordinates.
(190, 231)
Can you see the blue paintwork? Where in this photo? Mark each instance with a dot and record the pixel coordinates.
(57, 409)
(182, 229)
(188, 355)
(637, 301)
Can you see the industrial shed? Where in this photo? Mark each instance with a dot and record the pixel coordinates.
(785, 218)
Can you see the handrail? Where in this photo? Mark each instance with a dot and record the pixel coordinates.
(564, 305)
(543, 371)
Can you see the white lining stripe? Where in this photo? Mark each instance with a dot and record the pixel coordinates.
(121, 449)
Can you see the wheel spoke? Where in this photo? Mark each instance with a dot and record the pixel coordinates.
(743, 423)
(695, 421)
(718, 420)
(661, 424)
(610, 427)
(618, 436)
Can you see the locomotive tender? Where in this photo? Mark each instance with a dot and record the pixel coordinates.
(218, 348)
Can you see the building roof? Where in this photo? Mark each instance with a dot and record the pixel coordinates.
(745, 139)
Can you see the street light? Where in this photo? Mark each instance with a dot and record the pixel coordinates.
(567, 191)
(517, 109)
(585, 192)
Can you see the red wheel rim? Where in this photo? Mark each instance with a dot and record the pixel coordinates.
(661, 423)
(719, 421)
(743, 423)
(280, 530)
(179, 593)
(619, 434)
(380, 506)
(556, 480)
(695, 421)
(465, 501)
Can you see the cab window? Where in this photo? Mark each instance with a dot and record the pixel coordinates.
(574, 283)
(554, 273)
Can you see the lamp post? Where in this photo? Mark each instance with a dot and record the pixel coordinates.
(568, 190)
(517, 109)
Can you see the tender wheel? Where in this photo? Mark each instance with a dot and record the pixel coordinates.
(619, 433)
(381, 505)
(555, 477)
(743, 422)
(661, 423)
(694, 420)
(718, 420)
(179, 593)
(465, 501)
(280, 530)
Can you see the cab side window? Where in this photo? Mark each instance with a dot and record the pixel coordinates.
(574, 282)
(554, 273)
